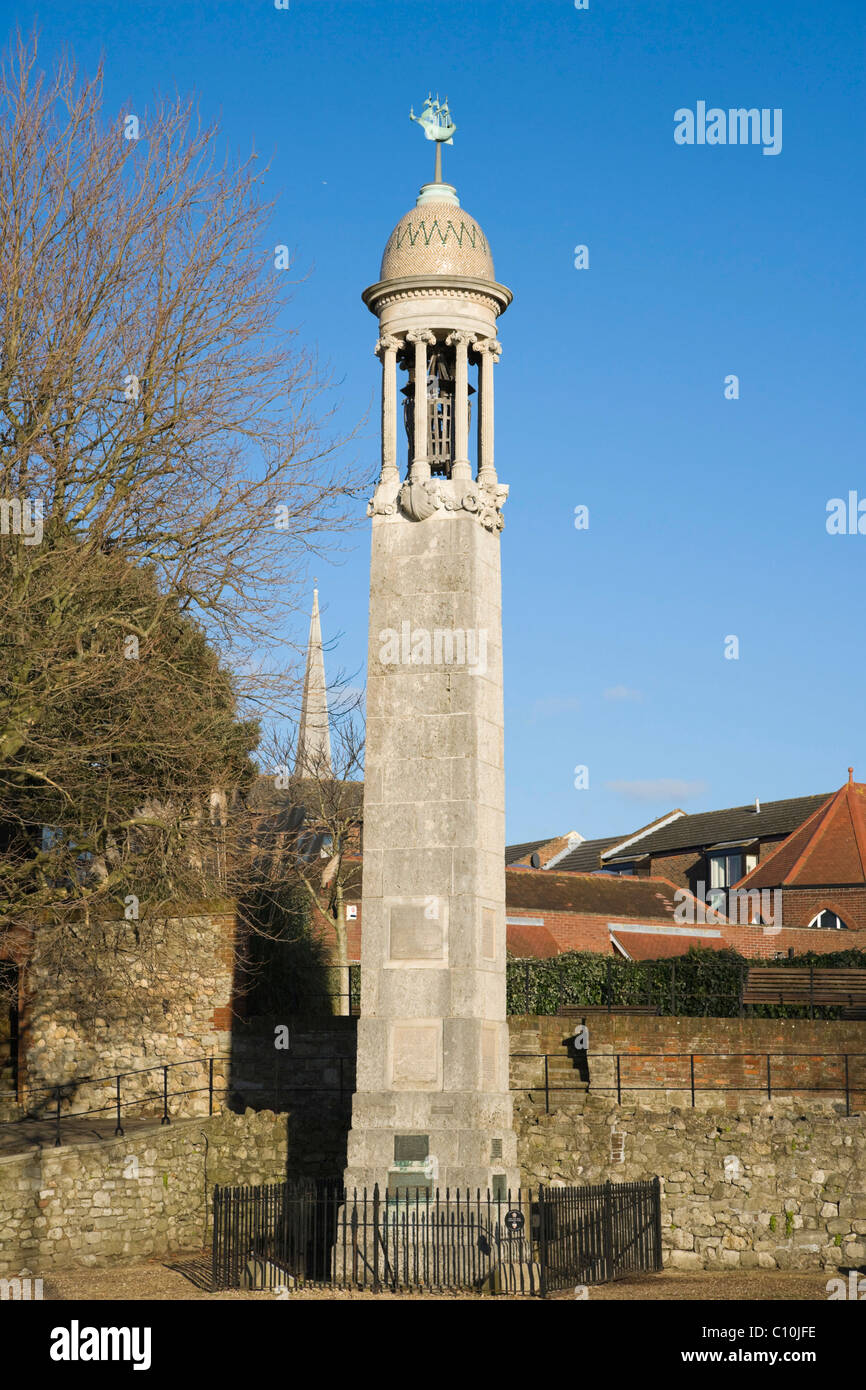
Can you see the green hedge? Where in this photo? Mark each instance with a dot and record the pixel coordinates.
(699, 984)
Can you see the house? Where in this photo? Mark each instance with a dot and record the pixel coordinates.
(705, 853)
(819, 871)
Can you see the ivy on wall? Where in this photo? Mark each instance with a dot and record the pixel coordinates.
(702, 983)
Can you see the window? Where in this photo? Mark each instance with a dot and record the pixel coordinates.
(726, 869)
(829, 921)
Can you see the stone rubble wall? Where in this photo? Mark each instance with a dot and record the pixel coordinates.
(771, 1191)
(783, 1187)
(143, 1195)
(160, 993)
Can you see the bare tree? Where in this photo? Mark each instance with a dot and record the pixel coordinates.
(167, 463)
(308, 835)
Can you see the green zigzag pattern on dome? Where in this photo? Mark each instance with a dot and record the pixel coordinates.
(413, 230)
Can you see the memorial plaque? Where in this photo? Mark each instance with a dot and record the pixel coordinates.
(411, 1148)
(416, 1056)
(489, 1056)
(402, 1183)
(415, 936)
(488, 933)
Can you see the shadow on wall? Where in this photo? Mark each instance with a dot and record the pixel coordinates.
(289, 1052)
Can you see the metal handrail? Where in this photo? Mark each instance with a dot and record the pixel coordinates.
(620, 1085)
(56, 1092)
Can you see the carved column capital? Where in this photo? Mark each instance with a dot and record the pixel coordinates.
(489, 345)
(460, 338)
(421, 335)
(387, 343)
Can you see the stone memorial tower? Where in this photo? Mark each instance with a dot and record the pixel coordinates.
(433, 1107)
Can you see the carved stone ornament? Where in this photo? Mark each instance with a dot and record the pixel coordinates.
(384, 499)
(418, 501)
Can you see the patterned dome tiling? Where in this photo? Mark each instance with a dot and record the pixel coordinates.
(440, 239)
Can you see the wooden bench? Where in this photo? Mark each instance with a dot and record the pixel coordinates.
(579, 1010)
(841, 987)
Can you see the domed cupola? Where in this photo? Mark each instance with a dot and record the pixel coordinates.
(437, 301)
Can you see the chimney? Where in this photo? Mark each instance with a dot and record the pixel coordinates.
(757, 805)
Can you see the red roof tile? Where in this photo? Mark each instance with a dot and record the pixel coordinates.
(530, 942)
(829, 848)
(604, 895)
(656, 946)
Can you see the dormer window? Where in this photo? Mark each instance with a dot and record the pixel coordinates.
(727, 865)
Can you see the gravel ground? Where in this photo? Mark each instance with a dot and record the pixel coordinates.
(187, 1277)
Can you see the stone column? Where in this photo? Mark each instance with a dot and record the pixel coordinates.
(461, 469)
(386, 350)
(419, 471)
(489, 351)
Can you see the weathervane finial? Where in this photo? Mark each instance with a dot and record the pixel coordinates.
(435, 121)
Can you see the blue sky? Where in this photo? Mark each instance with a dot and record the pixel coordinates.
(707, 515)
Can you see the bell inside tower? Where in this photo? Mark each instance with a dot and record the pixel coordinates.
(440, 389)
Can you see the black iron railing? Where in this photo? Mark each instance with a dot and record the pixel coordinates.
(47, 1102)
(286, 1235)
(760, 1074)
(591, 1235)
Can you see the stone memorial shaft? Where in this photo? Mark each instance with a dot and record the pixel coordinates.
(433, 1106)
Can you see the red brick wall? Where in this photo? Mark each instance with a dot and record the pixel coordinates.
(766, 942)
(800, 905)
(579, 931)
(325, 927)
(689, 867)
(734, 1054)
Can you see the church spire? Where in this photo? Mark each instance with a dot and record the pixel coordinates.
(314, 738)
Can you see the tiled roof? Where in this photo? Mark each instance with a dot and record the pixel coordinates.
(515, 852)
(631, 846)
(585, 857)
(708, 828)
(655, 946)
(599, 894)
(530, 942)
(829, 848)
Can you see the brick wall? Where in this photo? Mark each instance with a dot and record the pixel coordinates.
(800, 905)
(765, 943)
(687, 868)
(583, 931)
(729, 1053)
